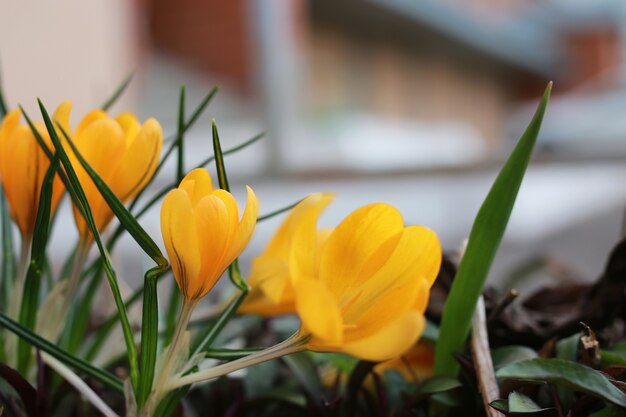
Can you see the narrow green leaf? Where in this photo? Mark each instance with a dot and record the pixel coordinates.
(230, 354)
(483, 244)
(8, 250)
(305, 371)
(233, 269)
(171, 316)
(30, 296)
(149, 334)
(79, 316)
(105, 329)
(157, 197)
(118, 92)
(219, 324)
(277, 212)
(121, 212)
(567, 374)
(70, 360)
(192, 120)
(180, 140)
(4, 109)
(80, 200)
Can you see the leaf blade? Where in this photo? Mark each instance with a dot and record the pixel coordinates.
(484, 240)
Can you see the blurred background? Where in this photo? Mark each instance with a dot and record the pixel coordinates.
(415, 103)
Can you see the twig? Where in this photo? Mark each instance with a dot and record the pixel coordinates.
(481, 355)
(504, 303)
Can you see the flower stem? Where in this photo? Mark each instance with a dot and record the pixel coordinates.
(20, 278)
(295, 343)
(160, 387)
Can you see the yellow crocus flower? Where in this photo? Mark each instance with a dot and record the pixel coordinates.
(123, 152)
(202, 231)
(361, 288)
(365, 291)
(23, 164)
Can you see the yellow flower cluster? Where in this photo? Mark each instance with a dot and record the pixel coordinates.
(124, 153)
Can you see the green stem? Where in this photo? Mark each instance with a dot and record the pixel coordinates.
(296, 343)
(160, 387)
(20, 277)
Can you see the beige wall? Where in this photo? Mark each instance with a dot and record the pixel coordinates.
(66, 49)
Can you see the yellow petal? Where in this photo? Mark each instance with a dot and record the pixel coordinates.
(303, 241)
(353, 242)
(139, 160)
(213, 226)
(197, 184)
(308, 210)
(245, 227)
(391, 341)
(317, 308)
(88, 119)
(178, 226)
(21, 179)
(130, 126)
(271, 277)
(417, 254)
(62, 116)
(101, 143)
(9, 123)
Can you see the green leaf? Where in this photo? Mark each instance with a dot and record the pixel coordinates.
(121, 212)
(506, 355)
(4, 109)
(277, 212)
(608, 412)
(30, 296)
(149, 334)
(219, 324)
(80, 200)
(484, 240)
(8, 251)
(567, 374)
(192, 120)
(233, 269)
(438, 383)
(118, 92)
(519, 403)
(70, 360)
(305, 371)
(79, 316)
(567, 349)
(230, 354)
(180, 140)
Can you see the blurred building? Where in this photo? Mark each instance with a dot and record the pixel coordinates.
(389, 85)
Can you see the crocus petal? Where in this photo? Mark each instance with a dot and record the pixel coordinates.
(62, 116)
(354, 241)
(317, 308)
(391, 341)
(21, 181)
(178, 227)
(101, 143)
(9, 123)
(245, 228)
(270, 276)
(303, 254)
(130, 126)
(197, 184)
(140, 158)
(88, 119)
